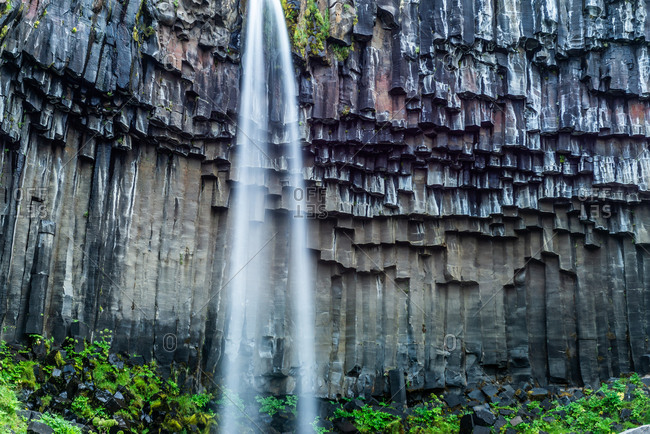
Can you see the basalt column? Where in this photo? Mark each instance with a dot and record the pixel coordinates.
(476, 176)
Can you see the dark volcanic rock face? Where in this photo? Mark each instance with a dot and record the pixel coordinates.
(480, 170)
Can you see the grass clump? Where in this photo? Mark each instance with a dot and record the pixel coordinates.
(311, 30)
(368, 419)
(341, 52)
(598, 412)
(431, 418)
(117, 391)
(59, 424)
(617, 406)
(291, 13)
(9, 405)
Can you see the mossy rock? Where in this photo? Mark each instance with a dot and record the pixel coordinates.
(172, 425)
(199, 419)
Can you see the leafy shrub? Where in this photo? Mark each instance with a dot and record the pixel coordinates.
(9, 420)
(59, 424)
(596, 412)
(312, 30)
(431, 416)
(144, 392)
(272, 405)
(82, 406)
(201, 400)
(290, 16)
(367, 419)
(341, 52)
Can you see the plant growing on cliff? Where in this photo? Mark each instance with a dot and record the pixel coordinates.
(341, 52)
(312, 30)
(291, 13)
(7, 8)
(142, 28)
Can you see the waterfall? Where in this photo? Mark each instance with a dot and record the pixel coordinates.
(267, 73)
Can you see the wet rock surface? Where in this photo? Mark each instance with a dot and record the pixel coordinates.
(478, 172)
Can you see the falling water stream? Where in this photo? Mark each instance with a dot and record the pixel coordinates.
(267, 73)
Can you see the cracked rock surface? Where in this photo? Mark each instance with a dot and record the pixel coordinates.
(479, 170)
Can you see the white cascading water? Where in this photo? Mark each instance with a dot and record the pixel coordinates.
(266, 45)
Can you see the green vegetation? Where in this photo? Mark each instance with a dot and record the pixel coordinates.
(143, 28)
(59, 424)
(341, 52)
(290, 16)
(615, 407)
(7, 9)
(317, 428)
(82, 406)
(272, 405)
(427, 418)
(311, 30)
(596, 412)
(141, 399)
(368, 419)
(432, 418)
(9, 420)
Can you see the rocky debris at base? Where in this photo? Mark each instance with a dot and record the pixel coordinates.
(36, 427)
(98, 391)
(502, 408)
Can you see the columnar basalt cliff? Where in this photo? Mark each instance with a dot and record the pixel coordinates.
(478, 171)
